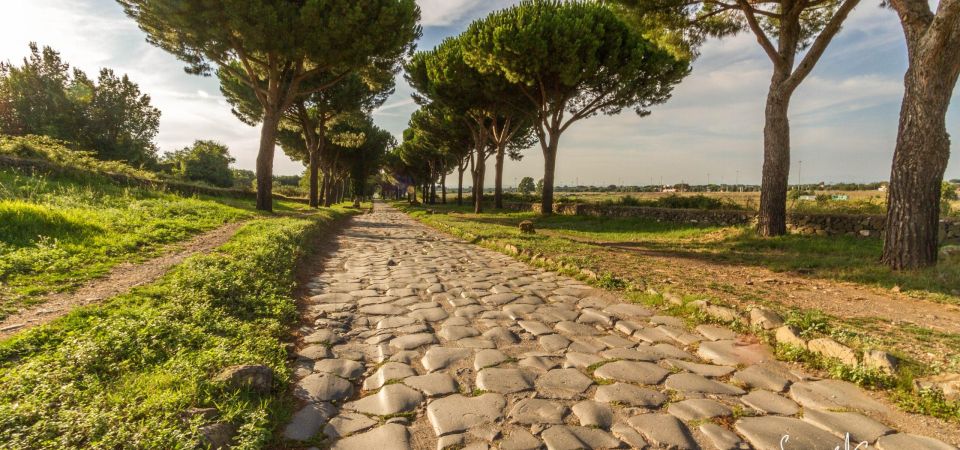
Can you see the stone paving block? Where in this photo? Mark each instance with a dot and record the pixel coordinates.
(322, 387)
(911, 441)
(438, 358)
(346, 424)
(859, 427)
(505, 381)
(563, 384)
(722, 438)
(432, 384)
(387, 372)
(707, 370)
(628, 394)
(391, 399)
(769, 431)
(693, 383)
(632, 372)
(768, 402)
(834, 394)
(533, 411)
(456, 413)
(386, 437)
(593, 414)
(565, 437)
(699, 409)
(306, 422)
(664, 431)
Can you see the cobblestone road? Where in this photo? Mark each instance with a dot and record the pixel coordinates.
(423, 341)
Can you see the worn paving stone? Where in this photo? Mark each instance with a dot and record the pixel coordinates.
(834, 394)
(388, 372)
(859, 427)
(722, 438)
(632, 372)
(323, 387)
(693, 383)
(706, 370)
(664, 431)
(566, 437)
(563, 384)
(535, 328)
(412, 341)
(593, 414)
(306, 422)
(699, 409)
(757, 376)
(438, 358)
(456, 413)
(536, 411)
(386, 437)
(505, 381)
(346, 424)
(432, 384)
(716, 333)
(488, 358)
(768, 432)
(911, 441)
(391, 399)
(770, 403)
(628, 394)
(341, 367)
(553, 342)
(520, 439)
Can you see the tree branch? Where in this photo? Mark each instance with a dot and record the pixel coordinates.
(820, 44)
(759, 33)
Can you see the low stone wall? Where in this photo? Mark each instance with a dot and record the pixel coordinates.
(808, 224)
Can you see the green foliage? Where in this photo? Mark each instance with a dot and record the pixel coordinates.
(243, 179)
(59, 231)
(675, 201)
(526, 186)
(949, 191)
(57, 154)
(122, 374)
(110, 115)
(540, 186)
(204, 161)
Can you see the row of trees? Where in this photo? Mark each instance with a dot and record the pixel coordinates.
(545, 64)
(523, 76)
(109, 115)
(276, 59)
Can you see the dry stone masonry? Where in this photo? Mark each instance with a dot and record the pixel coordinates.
(418, 340)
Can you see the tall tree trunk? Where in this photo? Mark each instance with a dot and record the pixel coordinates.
(462, 169)
(268, 142)
(443, 187)
(498, 189)
(919, 162)
(328, 186)
(776, 160)
(480, 170)
(314, 179)
(549, 167)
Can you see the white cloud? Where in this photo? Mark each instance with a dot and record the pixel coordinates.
(442, 13)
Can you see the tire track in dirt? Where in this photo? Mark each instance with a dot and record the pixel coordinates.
(122, 278)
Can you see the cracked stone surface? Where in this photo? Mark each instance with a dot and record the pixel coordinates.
(414, 339)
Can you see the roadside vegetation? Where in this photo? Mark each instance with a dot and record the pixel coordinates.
(122, 375)
(62, 227)
(831, 257)
(620, 254)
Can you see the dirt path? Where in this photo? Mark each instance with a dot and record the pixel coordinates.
(837, 298)
(121, 278)
(413, 339)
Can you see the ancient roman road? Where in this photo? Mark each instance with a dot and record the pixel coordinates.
(418, 340)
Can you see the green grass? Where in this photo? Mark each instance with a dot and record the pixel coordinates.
(119, 375)
(58, 231)
(843, 258)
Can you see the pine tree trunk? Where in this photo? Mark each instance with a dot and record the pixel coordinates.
(776, 162)
(443, 188)
(460, 187)
(268, 142)
(549, 167)
(498, 190)
(328, 185)
(919, 162)
(314, 179)
(481, 169)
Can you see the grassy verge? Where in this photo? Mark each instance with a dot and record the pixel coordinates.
(842, 258)
(569, 245)
(120, 375)
(58, 231)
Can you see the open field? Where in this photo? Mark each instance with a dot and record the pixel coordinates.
(58, 231)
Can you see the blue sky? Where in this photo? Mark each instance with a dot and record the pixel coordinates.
(844, 116)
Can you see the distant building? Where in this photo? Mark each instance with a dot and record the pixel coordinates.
(668, 189)
(840, 197)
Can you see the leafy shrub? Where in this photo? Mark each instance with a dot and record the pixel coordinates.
(120, 375)
(58, 154)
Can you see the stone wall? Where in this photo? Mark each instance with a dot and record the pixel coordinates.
(809, 224)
